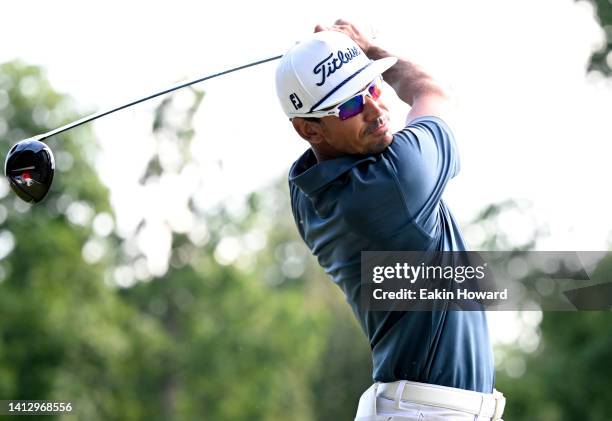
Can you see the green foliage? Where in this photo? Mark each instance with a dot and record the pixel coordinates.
(55, 312)
(568, 376)
(206, 340)
(264, 326)
(599, 60)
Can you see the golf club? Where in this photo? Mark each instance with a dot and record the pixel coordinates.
(29, 165)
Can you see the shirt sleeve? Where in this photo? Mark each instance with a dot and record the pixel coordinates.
(424, 157)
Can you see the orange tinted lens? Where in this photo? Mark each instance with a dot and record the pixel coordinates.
(375, 89)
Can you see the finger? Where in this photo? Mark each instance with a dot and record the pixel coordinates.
(319, 28)
(341, 22)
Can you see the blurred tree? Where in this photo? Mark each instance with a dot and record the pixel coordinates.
(344, 368)
(241, 338)
(63, 332)
(566, 377)
(205, 340)
(210, 338)
(601, 60)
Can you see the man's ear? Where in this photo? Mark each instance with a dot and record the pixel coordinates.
(310, 131)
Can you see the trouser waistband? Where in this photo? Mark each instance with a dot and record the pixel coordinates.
(487, 405)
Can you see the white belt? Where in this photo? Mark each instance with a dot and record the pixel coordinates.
(487, 405)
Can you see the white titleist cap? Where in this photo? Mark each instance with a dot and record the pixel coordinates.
(324, 70)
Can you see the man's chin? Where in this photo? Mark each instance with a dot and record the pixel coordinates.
(381, 143)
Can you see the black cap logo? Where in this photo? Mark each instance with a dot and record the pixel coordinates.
(295, 101)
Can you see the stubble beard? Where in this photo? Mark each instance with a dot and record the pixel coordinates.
(381, 144)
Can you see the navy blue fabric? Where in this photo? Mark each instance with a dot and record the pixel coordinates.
(392, 201)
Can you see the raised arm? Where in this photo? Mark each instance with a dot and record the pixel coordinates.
(411, 83)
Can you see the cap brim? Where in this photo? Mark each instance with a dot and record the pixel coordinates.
(358, 82)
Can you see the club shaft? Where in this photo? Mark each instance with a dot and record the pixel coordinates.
(95, 116)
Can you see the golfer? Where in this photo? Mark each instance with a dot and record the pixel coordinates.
(360, 187)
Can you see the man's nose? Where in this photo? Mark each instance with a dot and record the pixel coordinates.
(372, 108)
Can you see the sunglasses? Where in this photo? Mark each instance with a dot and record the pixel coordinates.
(354, 105)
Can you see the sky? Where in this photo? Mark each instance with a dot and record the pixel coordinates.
(531, 125)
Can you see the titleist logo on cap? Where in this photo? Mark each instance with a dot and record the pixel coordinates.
(330, 64)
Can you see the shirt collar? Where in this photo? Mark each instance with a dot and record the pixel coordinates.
(310, 176)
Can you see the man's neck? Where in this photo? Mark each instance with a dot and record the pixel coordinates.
(323, 156)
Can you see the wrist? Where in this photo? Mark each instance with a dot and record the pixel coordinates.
(374, 52)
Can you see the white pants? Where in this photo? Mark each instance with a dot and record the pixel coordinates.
(415, 412)
(393, 410)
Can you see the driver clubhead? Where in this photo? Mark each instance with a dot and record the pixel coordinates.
(29, 167)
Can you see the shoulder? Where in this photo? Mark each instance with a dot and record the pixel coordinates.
(425, 140)
(427, 127)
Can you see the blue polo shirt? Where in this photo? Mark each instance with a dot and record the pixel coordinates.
(392, 201)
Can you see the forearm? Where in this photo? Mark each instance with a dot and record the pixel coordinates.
(407, 79)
